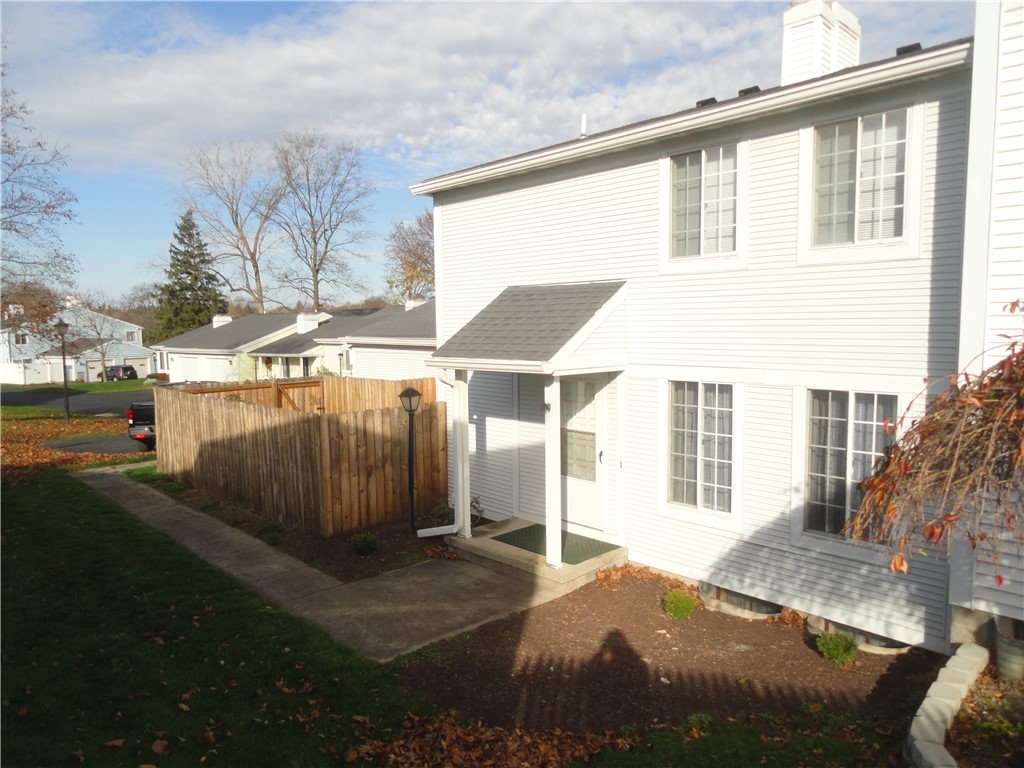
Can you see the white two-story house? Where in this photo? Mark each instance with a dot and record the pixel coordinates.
(93, 341)
(688, 335)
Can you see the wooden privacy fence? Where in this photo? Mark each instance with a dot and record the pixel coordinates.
(326, 473)
(328, 394)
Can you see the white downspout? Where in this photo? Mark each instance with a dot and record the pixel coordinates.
(460, 435)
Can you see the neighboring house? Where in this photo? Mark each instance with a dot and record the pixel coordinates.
(305, 354)
(220, 350)
(395, 346)
(93, 341)
(687, 335)
(388, 343)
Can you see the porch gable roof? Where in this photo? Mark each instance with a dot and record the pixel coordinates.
(535, 329)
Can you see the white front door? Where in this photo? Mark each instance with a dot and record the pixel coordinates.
(582, 450)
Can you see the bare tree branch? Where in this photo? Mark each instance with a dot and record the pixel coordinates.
(322, 213)
(234, 192)
(35, 205)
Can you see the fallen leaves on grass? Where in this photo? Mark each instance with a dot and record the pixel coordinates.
(443, 741)
(24, 450)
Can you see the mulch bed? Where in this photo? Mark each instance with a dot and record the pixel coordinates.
(606, 656)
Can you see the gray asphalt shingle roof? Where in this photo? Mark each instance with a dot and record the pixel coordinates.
(230, 336)
(416, 323)
(528, 322)
(342, 324)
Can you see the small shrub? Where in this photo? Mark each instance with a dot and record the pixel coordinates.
(442, 514)
(838, 648)
(365, 543)
(679, 604)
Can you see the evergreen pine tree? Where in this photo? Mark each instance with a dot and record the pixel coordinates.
(190, 295)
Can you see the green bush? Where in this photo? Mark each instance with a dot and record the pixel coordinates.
(838, 648)
(442, 514)
(679, 603)
(365, 543)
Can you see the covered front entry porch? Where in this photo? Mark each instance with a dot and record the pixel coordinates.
(567, 342)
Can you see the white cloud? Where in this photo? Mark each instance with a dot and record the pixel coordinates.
(438, 86)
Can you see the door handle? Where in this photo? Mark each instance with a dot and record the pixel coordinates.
(600, 457)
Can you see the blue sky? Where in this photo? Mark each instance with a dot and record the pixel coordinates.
(425, 88)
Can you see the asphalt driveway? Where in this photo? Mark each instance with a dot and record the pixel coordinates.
(112, 404)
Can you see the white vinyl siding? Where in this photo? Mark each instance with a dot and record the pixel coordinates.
(392, 363)
(492, 441)
(860, 179)
(704, 198)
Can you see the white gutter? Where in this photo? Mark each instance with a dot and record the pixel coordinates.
(384, 341)
(890, 72)
(488, 364)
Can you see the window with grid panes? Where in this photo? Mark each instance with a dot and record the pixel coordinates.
(860, 179)
(846, 435)
(700, 445)
(704, 192)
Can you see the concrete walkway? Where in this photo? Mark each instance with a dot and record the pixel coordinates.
(379, 618)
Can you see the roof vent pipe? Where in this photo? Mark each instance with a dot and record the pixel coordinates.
(903, 50)
(583, 125)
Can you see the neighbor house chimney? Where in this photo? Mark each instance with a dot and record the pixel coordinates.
(306, 323)
(219, 320)
(818, 37)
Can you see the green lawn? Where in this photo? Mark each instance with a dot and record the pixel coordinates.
(118, 642)
(81, 387)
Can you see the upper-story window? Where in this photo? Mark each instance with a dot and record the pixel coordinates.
(704, 195)
(860, 179)
(131, 336)
(21, 338)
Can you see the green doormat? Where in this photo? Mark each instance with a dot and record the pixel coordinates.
(575, 549)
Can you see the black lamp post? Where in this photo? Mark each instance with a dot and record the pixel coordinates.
(411, 402)
(62, 329)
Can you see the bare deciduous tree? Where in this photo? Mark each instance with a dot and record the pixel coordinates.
(94, 329)
(409, 258)
(234, 193)
(322, 213)
(34, 202)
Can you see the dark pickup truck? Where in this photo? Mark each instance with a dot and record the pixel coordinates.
(142, 424)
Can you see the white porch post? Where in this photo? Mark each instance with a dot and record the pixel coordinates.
(553, 470)
(460, 434)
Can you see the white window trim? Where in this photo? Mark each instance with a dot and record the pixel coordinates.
(710, 263)
(823, 543)
(892, 249)
(708, 518)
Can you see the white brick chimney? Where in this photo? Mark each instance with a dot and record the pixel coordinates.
(818, 37)
(219, 320)
(306, 323)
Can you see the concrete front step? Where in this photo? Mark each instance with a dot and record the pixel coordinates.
(482, 549)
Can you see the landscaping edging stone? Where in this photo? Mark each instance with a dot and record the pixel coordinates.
(925, 746)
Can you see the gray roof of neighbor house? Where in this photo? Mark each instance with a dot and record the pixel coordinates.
(229, 337)
(418, 323)
(528, 322)
(341, 324)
